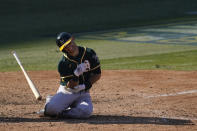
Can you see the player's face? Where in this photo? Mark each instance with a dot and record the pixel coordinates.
(72, 48)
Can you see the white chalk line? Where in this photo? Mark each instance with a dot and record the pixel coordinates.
(147, 96)
(165, 118)
(174, 94)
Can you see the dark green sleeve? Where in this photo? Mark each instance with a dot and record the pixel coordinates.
(94, 61)
(65, 70)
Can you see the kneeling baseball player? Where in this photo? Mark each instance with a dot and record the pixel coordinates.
(79, 69)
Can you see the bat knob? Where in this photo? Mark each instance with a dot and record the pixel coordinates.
(39, 98)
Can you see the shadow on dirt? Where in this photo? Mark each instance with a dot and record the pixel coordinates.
(103, 119)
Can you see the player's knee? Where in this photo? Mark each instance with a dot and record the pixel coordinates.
(51, 109)
(87, 114)
(86, 111)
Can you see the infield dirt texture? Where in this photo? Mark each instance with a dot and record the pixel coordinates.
(149, 72)
(123, 100)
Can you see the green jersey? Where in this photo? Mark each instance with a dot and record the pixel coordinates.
(68, 64)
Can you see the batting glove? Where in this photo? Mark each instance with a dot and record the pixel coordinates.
(81, 68)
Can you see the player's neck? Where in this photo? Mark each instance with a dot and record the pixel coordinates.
(76, 52)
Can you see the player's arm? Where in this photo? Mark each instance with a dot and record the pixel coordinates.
(95, 71)
(68, 79)
(94, 78)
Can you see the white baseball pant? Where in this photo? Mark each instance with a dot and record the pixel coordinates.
(69, 105)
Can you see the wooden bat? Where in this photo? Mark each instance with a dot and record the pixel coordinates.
(29, 81)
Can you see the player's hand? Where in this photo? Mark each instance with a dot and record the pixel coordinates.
(81, 68)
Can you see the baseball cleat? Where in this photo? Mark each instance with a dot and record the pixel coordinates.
(41, 113)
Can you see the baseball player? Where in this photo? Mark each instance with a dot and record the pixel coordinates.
(79, 69)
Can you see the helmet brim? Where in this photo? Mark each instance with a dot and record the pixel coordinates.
(65, 44)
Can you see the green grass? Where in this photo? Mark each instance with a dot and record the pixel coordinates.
(44, 55)
(171, 61)
(107, 49)
(150, 47)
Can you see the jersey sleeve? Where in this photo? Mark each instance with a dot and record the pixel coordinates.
(94, 62)
(66, 72)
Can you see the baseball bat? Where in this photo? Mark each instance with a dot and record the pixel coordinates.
(29, 81)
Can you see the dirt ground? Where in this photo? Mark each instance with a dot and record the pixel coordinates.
(122, 99)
